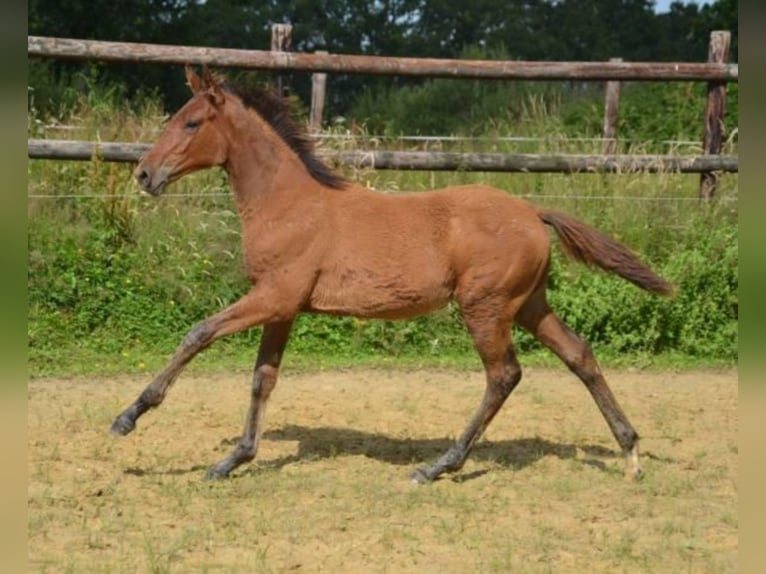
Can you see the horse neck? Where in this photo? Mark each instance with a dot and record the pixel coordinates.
(263, 171)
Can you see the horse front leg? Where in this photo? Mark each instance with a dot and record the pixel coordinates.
(273, 343)
(249, 311)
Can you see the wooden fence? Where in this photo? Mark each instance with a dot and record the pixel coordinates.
(716, 72)
(428, 160)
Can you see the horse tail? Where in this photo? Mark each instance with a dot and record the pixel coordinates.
(592, 247)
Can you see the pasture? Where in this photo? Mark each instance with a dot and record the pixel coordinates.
(330, 491)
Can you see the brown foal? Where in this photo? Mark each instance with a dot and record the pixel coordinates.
(316, 243)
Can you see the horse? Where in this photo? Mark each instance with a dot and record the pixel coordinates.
(315, 242)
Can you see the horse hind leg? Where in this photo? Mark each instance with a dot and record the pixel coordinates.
(503, 373)
(538, 318)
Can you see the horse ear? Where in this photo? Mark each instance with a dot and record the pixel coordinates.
(192, 79)
(207, 76)
(212, 86)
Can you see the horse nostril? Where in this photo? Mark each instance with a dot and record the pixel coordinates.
(142, 176)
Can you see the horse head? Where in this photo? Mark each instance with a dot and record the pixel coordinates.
(193, 139)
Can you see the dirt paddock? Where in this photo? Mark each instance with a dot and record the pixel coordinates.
(329, 491)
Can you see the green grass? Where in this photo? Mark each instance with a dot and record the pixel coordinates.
(231, 357)
(117, 278)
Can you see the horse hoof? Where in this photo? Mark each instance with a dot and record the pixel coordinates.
(214, 474)
(634, 474)
(122, 426)
(420, 476)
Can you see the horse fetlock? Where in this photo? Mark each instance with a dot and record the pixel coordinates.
(453, 459)
(149, 398)
(243, 454)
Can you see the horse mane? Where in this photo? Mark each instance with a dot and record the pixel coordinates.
(277, 111)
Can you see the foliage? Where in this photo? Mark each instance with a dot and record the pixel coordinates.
(524, 29)
(655, 114)
(116, 279)
(428, 108)
(672, 111)
(120, 278)
(700, 321)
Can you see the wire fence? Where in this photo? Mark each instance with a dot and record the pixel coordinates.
(492, 139)
(446, 138)
(521, 196)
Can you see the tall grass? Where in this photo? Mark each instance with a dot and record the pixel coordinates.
(116, 278)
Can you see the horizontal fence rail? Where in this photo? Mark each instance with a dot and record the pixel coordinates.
(74, 49)
(427, 160)
(434, 139)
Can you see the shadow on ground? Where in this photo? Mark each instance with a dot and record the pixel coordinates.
(331, 442)
(326, 442)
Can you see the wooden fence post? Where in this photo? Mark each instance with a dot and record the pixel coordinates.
(611, 105)
(318, 90)
(281, 41)
(718, 52)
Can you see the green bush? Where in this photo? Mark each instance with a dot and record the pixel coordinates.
(115, 280)
(700, 321)
(649, 113)
(93, 289)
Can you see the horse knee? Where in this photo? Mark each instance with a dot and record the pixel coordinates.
(199, 337)
(505, 382)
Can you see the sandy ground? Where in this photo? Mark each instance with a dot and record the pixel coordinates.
(329, 490)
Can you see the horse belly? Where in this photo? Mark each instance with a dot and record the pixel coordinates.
(366, 293)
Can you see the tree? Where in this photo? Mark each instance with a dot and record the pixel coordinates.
(520, 29)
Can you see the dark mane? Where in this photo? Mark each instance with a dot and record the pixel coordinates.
(277, 112)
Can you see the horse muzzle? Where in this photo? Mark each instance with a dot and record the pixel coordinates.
(152, 181)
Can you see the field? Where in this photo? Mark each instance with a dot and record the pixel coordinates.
(329, 491)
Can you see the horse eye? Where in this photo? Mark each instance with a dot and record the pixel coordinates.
(191, 125)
